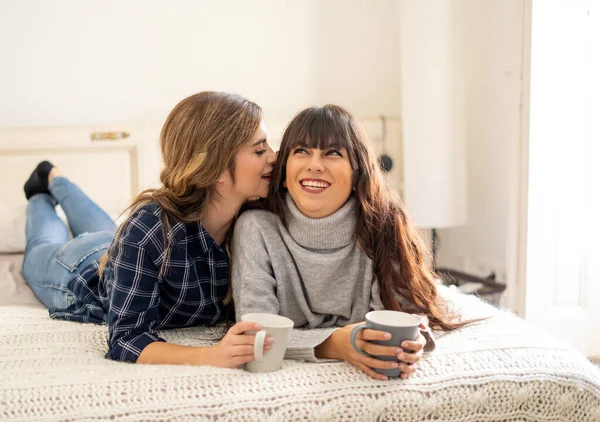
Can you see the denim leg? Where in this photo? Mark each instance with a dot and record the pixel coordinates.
(49, 281)
(83, 214)
(45, 234)
(51, 269)
(52, 261)
(42, 225)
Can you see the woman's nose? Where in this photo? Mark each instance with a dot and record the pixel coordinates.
(316, 163)
(271, 156)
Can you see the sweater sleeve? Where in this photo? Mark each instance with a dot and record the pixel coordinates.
(254, 286)
(304, 341)
(252, 281)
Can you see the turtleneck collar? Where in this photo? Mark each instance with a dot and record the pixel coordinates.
(332, 232)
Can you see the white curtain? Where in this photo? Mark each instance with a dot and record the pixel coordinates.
(563, 262)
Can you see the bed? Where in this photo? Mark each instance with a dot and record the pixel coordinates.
(502, 369)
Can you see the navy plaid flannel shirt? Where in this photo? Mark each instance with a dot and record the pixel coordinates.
(135, 301)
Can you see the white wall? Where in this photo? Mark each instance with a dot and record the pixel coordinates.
(493, 64)
(68, 62)
(85, 62)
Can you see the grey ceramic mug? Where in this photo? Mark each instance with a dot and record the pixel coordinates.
(400, 325)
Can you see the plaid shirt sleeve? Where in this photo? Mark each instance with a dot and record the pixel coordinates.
(132, 280)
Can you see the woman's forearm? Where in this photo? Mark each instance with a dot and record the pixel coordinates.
(161, 353)
(327, 349)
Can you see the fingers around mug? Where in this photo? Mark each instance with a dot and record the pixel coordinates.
(353, 335)
(376, 363)
(410, 357)
(376, 349)
(407, 369)
(248, 339)
(370, 372)
(259, 344)
(243, 350)
(242, 327)
(243, 339)
(241, 360)
(370, 335)
(412, 346)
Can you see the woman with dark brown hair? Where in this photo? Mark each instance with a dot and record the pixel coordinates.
(167, 264)
(331, 243)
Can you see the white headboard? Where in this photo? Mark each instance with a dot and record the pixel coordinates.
(112, 172)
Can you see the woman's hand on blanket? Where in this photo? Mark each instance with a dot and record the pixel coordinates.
(236, 348)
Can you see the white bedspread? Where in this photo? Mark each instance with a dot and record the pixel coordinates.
(14, 290)
(502, 369)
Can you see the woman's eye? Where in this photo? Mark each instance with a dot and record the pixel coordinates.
(261, 152)
(299, 151)
(334, 152)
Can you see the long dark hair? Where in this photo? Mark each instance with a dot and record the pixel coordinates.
(400, 258)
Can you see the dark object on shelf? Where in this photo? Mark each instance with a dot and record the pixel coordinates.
(486, 288)
(385, 162)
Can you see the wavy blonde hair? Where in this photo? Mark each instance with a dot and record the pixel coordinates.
(198, 142)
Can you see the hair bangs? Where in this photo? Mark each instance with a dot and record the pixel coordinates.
(323, 129)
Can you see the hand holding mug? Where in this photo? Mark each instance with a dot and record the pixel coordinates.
(274, 327)
(237, 347)
(338, 346)
(401, 331)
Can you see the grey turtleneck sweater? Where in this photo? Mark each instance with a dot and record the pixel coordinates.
(311, 271)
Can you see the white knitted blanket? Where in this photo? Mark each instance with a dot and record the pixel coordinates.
(502, 369)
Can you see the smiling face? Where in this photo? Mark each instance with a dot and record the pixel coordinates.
(318, 180)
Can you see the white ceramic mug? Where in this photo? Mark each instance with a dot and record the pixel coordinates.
(277, 327)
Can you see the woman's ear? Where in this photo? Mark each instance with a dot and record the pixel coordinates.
(223, 177)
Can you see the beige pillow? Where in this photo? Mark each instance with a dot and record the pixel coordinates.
(12, 227)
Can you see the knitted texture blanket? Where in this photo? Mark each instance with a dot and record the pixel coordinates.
(501, 369)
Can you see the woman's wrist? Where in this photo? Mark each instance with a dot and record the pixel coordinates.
(161, 353)
(204, 355)
(327, 349)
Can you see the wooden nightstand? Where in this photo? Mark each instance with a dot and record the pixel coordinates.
(486, 288)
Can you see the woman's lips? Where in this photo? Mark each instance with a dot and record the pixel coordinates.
(314, 189)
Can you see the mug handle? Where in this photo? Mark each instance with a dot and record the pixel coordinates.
(353, 335)
(259, 344)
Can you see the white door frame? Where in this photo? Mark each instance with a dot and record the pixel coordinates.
(536, 290)
(516, 250)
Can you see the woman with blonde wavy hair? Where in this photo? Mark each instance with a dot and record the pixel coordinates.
(331, 243)
(166, 266)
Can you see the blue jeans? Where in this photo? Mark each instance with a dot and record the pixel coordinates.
(52, 261)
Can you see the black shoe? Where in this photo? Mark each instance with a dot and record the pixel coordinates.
(38, 181)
